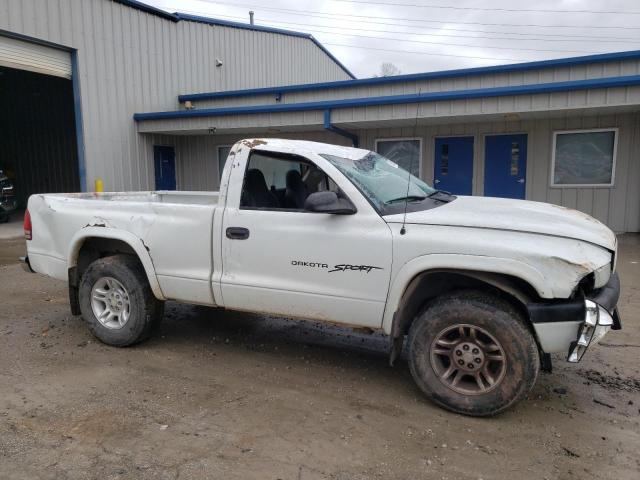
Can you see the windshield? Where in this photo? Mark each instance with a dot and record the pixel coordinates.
(381, 180)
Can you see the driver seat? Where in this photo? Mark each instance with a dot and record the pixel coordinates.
(296, 191)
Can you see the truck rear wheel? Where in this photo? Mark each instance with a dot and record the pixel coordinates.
(471, 352)
(117, 303)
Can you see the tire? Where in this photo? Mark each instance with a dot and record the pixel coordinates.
(459, 368)
(129, 311)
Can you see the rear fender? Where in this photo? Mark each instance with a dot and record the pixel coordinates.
(127, 237)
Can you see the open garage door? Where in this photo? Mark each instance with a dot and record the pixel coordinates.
(38, 148)
(33, 57)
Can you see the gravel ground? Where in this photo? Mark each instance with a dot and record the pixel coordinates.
(226, 395)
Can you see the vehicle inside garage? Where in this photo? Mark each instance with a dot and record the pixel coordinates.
(37, 127)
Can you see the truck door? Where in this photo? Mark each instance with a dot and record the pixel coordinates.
(281, 259)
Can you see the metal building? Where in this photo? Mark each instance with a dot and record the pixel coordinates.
(561, 131)
(73, 73)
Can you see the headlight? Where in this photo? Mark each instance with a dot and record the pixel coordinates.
(601, 276)
(597, 322)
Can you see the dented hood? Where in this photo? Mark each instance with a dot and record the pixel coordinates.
(514, 215)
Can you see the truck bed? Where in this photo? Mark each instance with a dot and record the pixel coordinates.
(160, 196)
(173, 227)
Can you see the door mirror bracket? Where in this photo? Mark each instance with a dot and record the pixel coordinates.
(329, 202)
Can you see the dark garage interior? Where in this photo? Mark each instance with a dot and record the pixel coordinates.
(37, 133)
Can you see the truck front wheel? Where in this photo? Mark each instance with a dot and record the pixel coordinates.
(117, 303)
(471, 352)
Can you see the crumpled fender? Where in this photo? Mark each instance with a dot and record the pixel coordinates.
(127, 237)
(478, 263)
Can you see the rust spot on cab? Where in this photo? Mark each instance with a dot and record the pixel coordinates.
(254, 143)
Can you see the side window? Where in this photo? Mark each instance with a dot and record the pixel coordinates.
(281, 182)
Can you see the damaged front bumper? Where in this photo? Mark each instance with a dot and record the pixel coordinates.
(572, 326)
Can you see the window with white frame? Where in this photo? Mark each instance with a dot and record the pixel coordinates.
(405, 152)
(223, 153)
(584, 157)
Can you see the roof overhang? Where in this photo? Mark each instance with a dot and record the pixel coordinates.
(311, 113)
(439, 75)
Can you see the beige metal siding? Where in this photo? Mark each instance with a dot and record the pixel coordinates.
(131, 61)
(490, 80)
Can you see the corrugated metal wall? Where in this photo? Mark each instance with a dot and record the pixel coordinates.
(617, 206)
(445, 111)
(131, 61)
(593, 70)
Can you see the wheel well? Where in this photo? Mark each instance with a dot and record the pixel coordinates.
(428, 285)
(91, 250)
(94, 248)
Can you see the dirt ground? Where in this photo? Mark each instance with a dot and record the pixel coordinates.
(236, 396)
(10, 250)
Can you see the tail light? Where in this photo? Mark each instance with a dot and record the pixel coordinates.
(27, 225)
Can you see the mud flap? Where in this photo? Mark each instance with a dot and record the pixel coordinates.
(396, 340)
(74, 297)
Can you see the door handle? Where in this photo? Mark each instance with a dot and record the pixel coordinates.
(521, 180)
(237, 233)
(436, 181)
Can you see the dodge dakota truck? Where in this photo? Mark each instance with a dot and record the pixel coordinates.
(475, 292)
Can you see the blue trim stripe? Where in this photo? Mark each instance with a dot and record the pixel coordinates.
(398, 99)
(245, 26)
(77, 106)
(514, 67)
(176, 17)
(148, 9)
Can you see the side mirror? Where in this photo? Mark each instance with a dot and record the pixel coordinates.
(329, 202)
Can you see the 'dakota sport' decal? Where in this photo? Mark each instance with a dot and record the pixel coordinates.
(342, 267)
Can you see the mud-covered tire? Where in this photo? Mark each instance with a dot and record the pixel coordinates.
(144, 310)
(434, 350)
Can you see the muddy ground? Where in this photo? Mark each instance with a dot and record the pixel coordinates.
(236, 396)
(10, 250)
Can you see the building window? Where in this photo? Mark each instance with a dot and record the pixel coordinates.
(444, 159)
(406, 152)
(223, 153)
(584, 158)
(515, 158)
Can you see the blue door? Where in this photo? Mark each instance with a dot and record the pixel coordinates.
(164, 159)
(505, 166)
(454, 165)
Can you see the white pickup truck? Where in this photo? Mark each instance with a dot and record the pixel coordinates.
(484, 289)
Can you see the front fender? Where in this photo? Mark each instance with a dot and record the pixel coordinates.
(478, 263)
(127, 237)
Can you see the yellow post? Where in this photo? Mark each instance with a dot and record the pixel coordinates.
(99, 185)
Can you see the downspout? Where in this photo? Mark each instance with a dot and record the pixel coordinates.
(332, 128)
